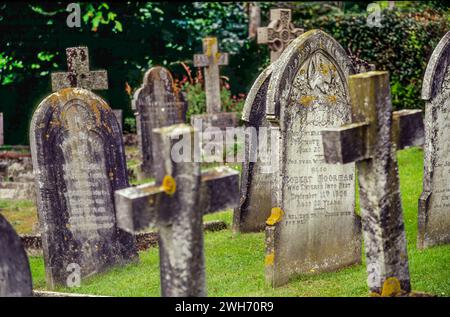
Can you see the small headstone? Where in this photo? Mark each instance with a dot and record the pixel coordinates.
(313, 226)
(255, 190)
(279, 33)
(175, 204)
(119, 116)
(156, 104)
(371, 140)
(79, 161)
(434, 203)
(15, 274)
(1, 129)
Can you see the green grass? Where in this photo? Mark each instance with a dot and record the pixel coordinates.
(235, 267)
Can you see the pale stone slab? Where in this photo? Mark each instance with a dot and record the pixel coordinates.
(78, 161)
(434, 203)
(317, 229)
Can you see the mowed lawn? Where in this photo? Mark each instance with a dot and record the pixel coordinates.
(235, 263)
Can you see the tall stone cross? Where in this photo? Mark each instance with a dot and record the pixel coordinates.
(279, 33)
(211, 59)
(78, 74)
(175, 204)
(371, 141)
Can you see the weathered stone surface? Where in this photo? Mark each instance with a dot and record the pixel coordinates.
(255, 190)
(313, 226)
(279, 33)
(1, 129)
(210, 60)
(156, 104)
(119, 116)
(175, 204)
(79, 161)
(375, 131)
(78, 74)
(15, 274)
(434, 203)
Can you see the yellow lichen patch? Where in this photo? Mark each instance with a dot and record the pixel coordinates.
(332, 99)
(275, 216)
(306, 100)
(391, 287)
(270, 258)
(374, 294)
(169, 185)
(324, 69)
(217, 57)
(210, 42)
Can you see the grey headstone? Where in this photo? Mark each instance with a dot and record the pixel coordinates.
(317, 228)
(156, 104)
(434, 203)
(15, 274)
(79, 161)
(119, 116)
(371, 140)
(178, 215)
(255, 190)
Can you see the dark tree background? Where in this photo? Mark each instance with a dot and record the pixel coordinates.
(126, 38)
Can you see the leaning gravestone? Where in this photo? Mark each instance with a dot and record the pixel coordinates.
(434, 203)
(255, 198)
(156, 104)
(313, 226)
(15, 274)
(79, 161)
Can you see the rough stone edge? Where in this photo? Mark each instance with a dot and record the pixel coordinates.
(40, 293)
(428, 86)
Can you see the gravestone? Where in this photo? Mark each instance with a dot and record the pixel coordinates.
(255, 190)
(1, 129)
(279, 33)
(175, 204)
(371, 140)
(313, 226)
(214, 119)
(156, 104)
(15, 274)
(118, 113)
(434, 203)
(78, 161)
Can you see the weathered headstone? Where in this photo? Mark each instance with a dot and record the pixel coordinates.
(175, 204)
(371, 140)
(255, 190)
(279, 33)
(15, 274)
(79, 161)
(434, 203)
(118, 113)
(1, 129)
(313, 226)
(156, 104)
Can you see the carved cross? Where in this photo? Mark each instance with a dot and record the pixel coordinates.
(175, 204)
(371, 141)
(279, 33)
(78, 74)
(210, 60)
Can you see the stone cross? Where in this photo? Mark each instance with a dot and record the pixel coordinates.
(434, 202)
(15, 274)
(2, 141)
(78, 162)
(210, 60)
(279, 33)
(371, 141)
(175, 204)
(78, 74)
